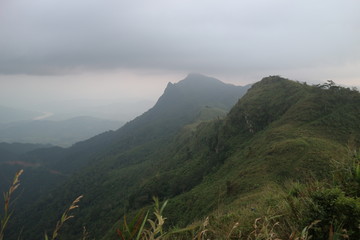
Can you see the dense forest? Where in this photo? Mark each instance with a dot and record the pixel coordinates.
(277, 160)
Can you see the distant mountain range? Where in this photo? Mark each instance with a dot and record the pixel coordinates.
(211, 151)
(62, 133)
(196, 98)
(13, 115)
(117, 110)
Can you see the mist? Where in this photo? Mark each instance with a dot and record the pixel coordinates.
(120, 51)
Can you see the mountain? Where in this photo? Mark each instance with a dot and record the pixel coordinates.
(121, 110)
(194, 98)
(197, 98)
(62, 133)
(229, 168)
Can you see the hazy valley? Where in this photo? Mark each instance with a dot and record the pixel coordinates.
(110, 131)
(279, 151)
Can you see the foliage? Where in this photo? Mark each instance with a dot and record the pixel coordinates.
(231, 170)
(143, 227)
(134, 229)
(337, 213)
(346, 173)
(156, 231)
(334, 213)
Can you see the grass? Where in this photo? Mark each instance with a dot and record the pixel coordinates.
(7, 213)
(295, 211)
(7, 201)
(65, 217)
(234, 170)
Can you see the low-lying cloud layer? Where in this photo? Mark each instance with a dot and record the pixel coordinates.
(235, 38)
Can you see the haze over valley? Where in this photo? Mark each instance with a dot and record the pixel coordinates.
(179, 119)
(67, 122)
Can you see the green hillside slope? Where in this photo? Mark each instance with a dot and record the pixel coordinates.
(231, 169)
(279, 130)
(100, 160)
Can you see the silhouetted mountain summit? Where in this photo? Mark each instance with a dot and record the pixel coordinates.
(180, 104)
(198, 90)
(199, 79)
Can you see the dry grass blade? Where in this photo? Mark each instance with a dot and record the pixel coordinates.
(264, 229)
(65, 216)
(7, 198)
(236, 225)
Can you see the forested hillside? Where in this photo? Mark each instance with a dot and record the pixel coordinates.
(195, 99)
(285, 156)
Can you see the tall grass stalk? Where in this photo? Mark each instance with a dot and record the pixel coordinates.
(65, 216)
(7, 200)
(133, 230)
(264, 228)
(156, 231)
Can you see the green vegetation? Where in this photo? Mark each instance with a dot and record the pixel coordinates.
(331, 212)
(280, 165)
(294, 210)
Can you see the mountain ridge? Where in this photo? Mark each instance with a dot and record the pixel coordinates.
(136, 140)
(279, 130)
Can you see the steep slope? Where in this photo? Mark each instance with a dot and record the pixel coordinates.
(99, 159)
(180, 104)
(279, 130)
(195, 97)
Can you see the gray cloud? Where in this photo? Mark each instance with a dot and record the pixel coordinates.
(237, 38)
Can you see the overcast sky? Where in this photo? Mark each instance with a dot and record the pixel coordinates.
(121, 49)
